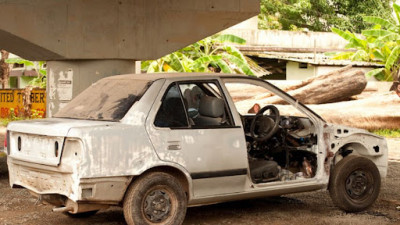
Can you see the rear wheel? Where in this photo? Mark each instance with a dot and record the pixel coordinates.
(156, 198)
(354, 183)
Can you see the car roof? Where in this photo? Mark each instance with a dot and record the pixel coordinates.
(157, 76)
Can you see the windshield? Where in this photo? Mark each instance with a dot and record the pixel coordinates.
(107, 99)
(246, 92)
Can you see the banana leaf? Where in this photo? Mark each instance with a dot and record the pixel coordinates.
(200, 64)
(374, 72)
(347, 35)
(360, 55)
(234, 51)
(376, 33)
(153, 67)
(230, 38)
(390, 37)
(145, 64)
(342, 34)
(330, 53)
(382, 22)
(393, 57)
(397, 12)
(175, 63)
(343, 55)
(242, 65)
(43, 71)
(20, 61)
(223, 66)
(378, 55)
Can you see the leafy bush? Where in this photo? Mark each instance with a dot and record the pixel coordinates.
(35, 114)
(381, 44)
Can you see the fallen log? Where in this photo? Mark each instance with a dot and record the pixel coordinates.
(308, 80)
(381, 111)
(337, 86)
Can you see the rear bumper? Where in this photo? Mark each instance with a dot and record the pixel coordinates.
(42, 179)
(65, 188)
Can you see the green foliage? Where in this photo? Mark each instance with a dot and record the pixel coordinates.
(381, 44)
(212, 54)
(321, 15)
(388, 133)
(39, 66)
(13, 116)
(4, 122)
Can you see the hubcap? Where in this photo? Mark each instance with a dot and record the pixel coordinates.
(357, 184)
(157, 206)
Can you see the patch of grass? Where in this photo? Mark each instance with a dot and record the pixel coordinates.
(389, 133)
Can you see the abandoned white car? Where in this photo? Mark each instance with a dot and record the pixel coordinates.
(155, 144)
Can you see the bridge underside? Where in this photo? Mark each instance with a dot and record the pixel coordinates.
(113, 29)
(84, 41)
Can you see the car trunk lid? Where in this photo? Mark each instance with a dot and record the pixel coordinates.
(42, 141)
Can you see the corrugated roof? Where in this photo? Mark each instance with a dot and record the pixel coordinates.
(311, 58)
(156, 76)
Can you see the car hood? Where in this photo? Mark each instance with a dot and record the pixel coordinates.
(344, 131)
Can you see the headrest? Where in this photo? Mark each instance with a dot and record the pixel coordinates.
(211, 106)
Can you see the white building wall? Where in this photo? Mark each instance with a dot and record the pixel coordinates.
(326, 69)
(293, 72)
(288, 39)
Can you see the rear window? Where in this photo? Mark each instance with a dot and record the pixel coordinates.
(107, 99)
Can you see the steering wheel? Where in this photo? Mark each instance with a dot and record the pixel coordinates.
(266, 125)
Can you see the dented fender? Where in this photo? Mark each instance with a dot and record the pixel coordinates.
(359, 142)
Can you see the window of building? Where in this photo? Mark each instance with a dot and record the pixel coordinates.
(303, 65)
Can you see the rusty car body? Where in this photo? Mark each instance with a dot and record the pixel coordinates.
(155, 144)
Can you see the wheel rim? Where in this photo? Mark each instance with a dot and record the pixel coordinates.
(157, 205)
(358, 184)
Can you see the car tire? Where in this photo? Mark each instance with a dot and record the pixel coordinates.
(354, 183)
(155, 198)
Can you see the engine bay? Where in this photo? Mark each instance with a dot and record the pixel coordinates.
(289, 154)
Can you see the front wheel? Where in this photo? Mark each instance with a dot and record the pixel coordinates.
(156, 198)
(354, 183)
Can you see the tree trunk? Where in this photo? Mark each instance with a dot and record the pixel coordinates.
(377, 112)
(4, 69)
(335, 86)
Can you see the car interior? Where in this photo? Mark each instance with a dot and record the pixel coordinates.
(280, 147)
(202, 102)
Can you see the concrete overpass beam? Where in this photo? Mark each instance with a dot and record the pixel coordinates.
(113, 29)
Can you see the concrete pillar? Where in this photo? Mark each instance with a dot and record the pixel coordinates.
(66, 79)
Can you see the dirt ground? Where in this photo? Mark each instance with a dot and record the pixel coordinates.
(18, 207)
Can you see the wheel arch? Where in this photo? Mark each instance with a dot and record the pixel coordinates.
(352, 148)
(360, 149)
(182, 177)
